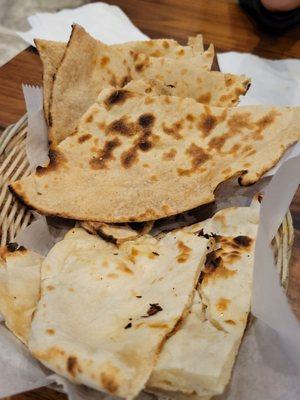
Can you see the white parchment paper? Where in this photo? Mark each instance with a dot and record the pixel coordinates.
(269, 302)
(268, 363)
(273, 82)
(36, 139)
(19, 371)
(103, 21)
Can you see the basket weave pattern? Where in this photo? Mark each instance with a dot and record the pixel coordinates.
(13, 165)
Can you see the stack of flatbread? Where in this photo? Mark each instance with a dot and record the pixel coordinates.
(161, 314)
(143, 131)
(138, 132)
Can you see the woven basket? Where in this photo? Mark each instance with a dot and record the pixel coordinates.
(13, 165)
(14, 217)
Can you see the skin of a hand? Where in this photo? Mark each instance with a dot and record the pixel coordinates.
(280, 5)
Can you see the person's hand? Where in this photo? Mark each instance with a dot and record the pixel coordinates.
(280, 5)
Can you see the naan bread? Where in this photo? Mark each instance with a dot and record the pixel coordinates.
(194, 360)
(198, 359)
(89, 65)
(184, 79)
(51, 54)
(215, 88)
(142, 157)
(165, 47)
(117, 233)
(105, 311)
(19, 287)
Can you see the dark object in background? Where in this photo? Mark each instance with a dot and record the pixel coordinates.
(274, 21)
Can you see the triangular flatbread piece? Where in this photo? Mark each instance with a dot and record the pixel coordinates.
(198, 359)
(105, 311)
(141, 157)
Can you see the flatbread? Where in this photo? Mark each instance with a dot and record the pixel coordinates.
(87, 67)
(198, 359)
(142, 157)
(195, 359)
(117, 233)
(74, 90)
(183, 78)
(19, 287)
(211, 88)
(51, 54)
(196, 43)
(105, 311)
(165, 47)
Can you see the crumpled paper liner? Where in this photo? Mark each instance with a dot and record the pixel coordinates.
(268, 363)
(103, 21)
(36, 139)
(275, 82)
(19, 371)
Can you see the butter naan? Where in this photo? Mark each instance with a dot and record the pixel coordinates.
(140, 157)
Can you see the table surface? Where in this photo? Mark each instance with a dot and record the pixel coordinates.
(223, 23)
